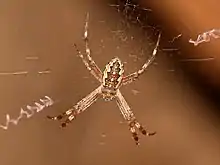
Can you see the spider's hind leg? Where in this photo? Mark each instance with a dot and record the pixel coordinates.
(77, 109)
(130, 118)
(68, 120)
(132, 128)
(134, 133)
(60, 116)
(69, 115)
(142, 129)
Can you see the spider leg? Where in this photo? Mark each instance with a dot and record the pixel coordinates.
(130, 118)
(132, 77)
(62, 115)
(88, 61)
(80, 107)
(58, 117)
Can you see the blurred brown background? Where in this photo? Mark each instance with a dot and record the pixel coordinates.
(168, 102)
(192, 19)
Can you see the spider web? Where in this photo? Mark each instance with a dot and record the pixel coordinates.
(135, 14)
(132, 12)
(138, 17)
(130, 27)
(29, 112)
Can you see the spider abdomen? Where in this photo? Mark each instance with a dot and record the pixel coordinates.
(112, 75)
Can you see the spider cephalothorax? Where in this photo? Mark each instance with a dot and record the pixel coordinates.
(111, 79)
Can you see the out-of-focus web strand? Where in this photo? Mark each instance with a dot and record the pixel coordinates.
(206, 37)
(23, 73)
(46, 102)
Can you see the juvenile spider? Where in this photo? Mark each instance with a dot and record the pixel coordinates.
(111, 80)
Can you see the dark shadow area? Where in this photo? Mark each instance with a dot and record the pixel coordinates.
(133, 10)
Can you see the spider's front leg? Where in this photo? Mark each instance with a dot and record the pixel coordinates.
(88, 61)
(80, 107)
(130, 118)
(132, 77)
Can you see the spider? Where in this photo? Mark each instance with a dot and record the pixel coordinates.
(111, 80)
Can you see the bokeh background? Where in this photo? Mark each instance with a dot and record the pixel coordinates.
(178, 99)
